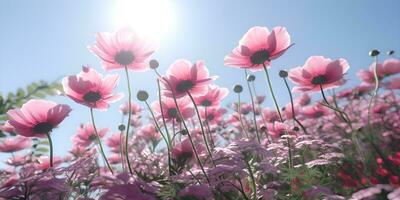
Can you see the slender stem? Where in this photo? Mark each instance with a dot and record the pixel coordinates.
(162, 113)
(163, 136)
(279, 113)
(291, 102)
(208, 128)
(202, 128)
(240, 117)
(272, 93)
(253, 107)
(129, 120)
(51, 148)
(121, 149)
(99, 141)
(375, 90)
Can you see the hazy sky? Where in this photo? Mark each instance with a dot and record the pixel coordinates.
(45, 39)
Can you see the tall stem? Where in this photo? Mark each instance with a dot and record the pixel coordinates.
(208, 128)
(51, 149)
(240, 117)
(272, 93)
(129, 120)
(293, 113)
(163, 136)
(253, 107)
(202, 128)
(279, 113)
(375, 90)
(99, 141)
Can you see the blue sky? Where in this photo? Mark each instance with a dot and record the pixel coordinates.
(46, 39)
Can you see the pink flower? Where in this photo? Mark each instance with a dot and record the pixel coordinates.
(259, 46)
(270, 115)
(315, 111)
(123, 48)
(213, 97)
(319, 71)
(91, 89)
(276, 129)
(13, 144)
(389, 67)
(169, 109)
(303, 100)
(135, 108)
(183, 76)
(85, 134)
(214, 114)
(17, 160)
(114, 141)
(394, 83)
(182, 152)
(37, 117)
(149, 133)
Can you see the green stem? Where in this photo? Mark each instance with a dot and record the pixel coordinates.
(208, 128)
(51, 149)
(129, 120)
(253, 107)
(99, 141)
(375, 91)
(272, 93)
(202, 128)
(293, 113)
(163, 136)
(240, 117)
(279, 113)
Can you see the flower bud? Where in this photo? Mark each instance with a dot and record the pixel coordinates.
(374, 53)
(142, 95)
(237, 88)
(251, 78)
(121, 127)
(283, 74)
(154, 64)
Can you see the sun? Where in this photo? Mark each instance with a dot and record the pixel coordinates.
(150, 18)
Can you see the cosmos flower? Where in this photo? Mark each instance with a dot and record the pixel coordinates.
(89, 88)
(135, 108)
(202, 192)
(213, 97)
(214, 114)
(123, 48)
(183, 76)
(149, 133)
(37, 117)
(13, 144)
(259, 46)
(317, 71)
(170, 111)
(85, 134)
(315, 111)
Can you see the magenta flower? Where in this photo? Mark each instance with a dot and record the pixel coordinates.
(89, 88)
(213, 97)
(276, 129)
(258, 47)
(85, 134)
(317, 72)
(135, 108)
(183, 76)
(170, 111)
(36, 118)
(13, 144)
(121, 49)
